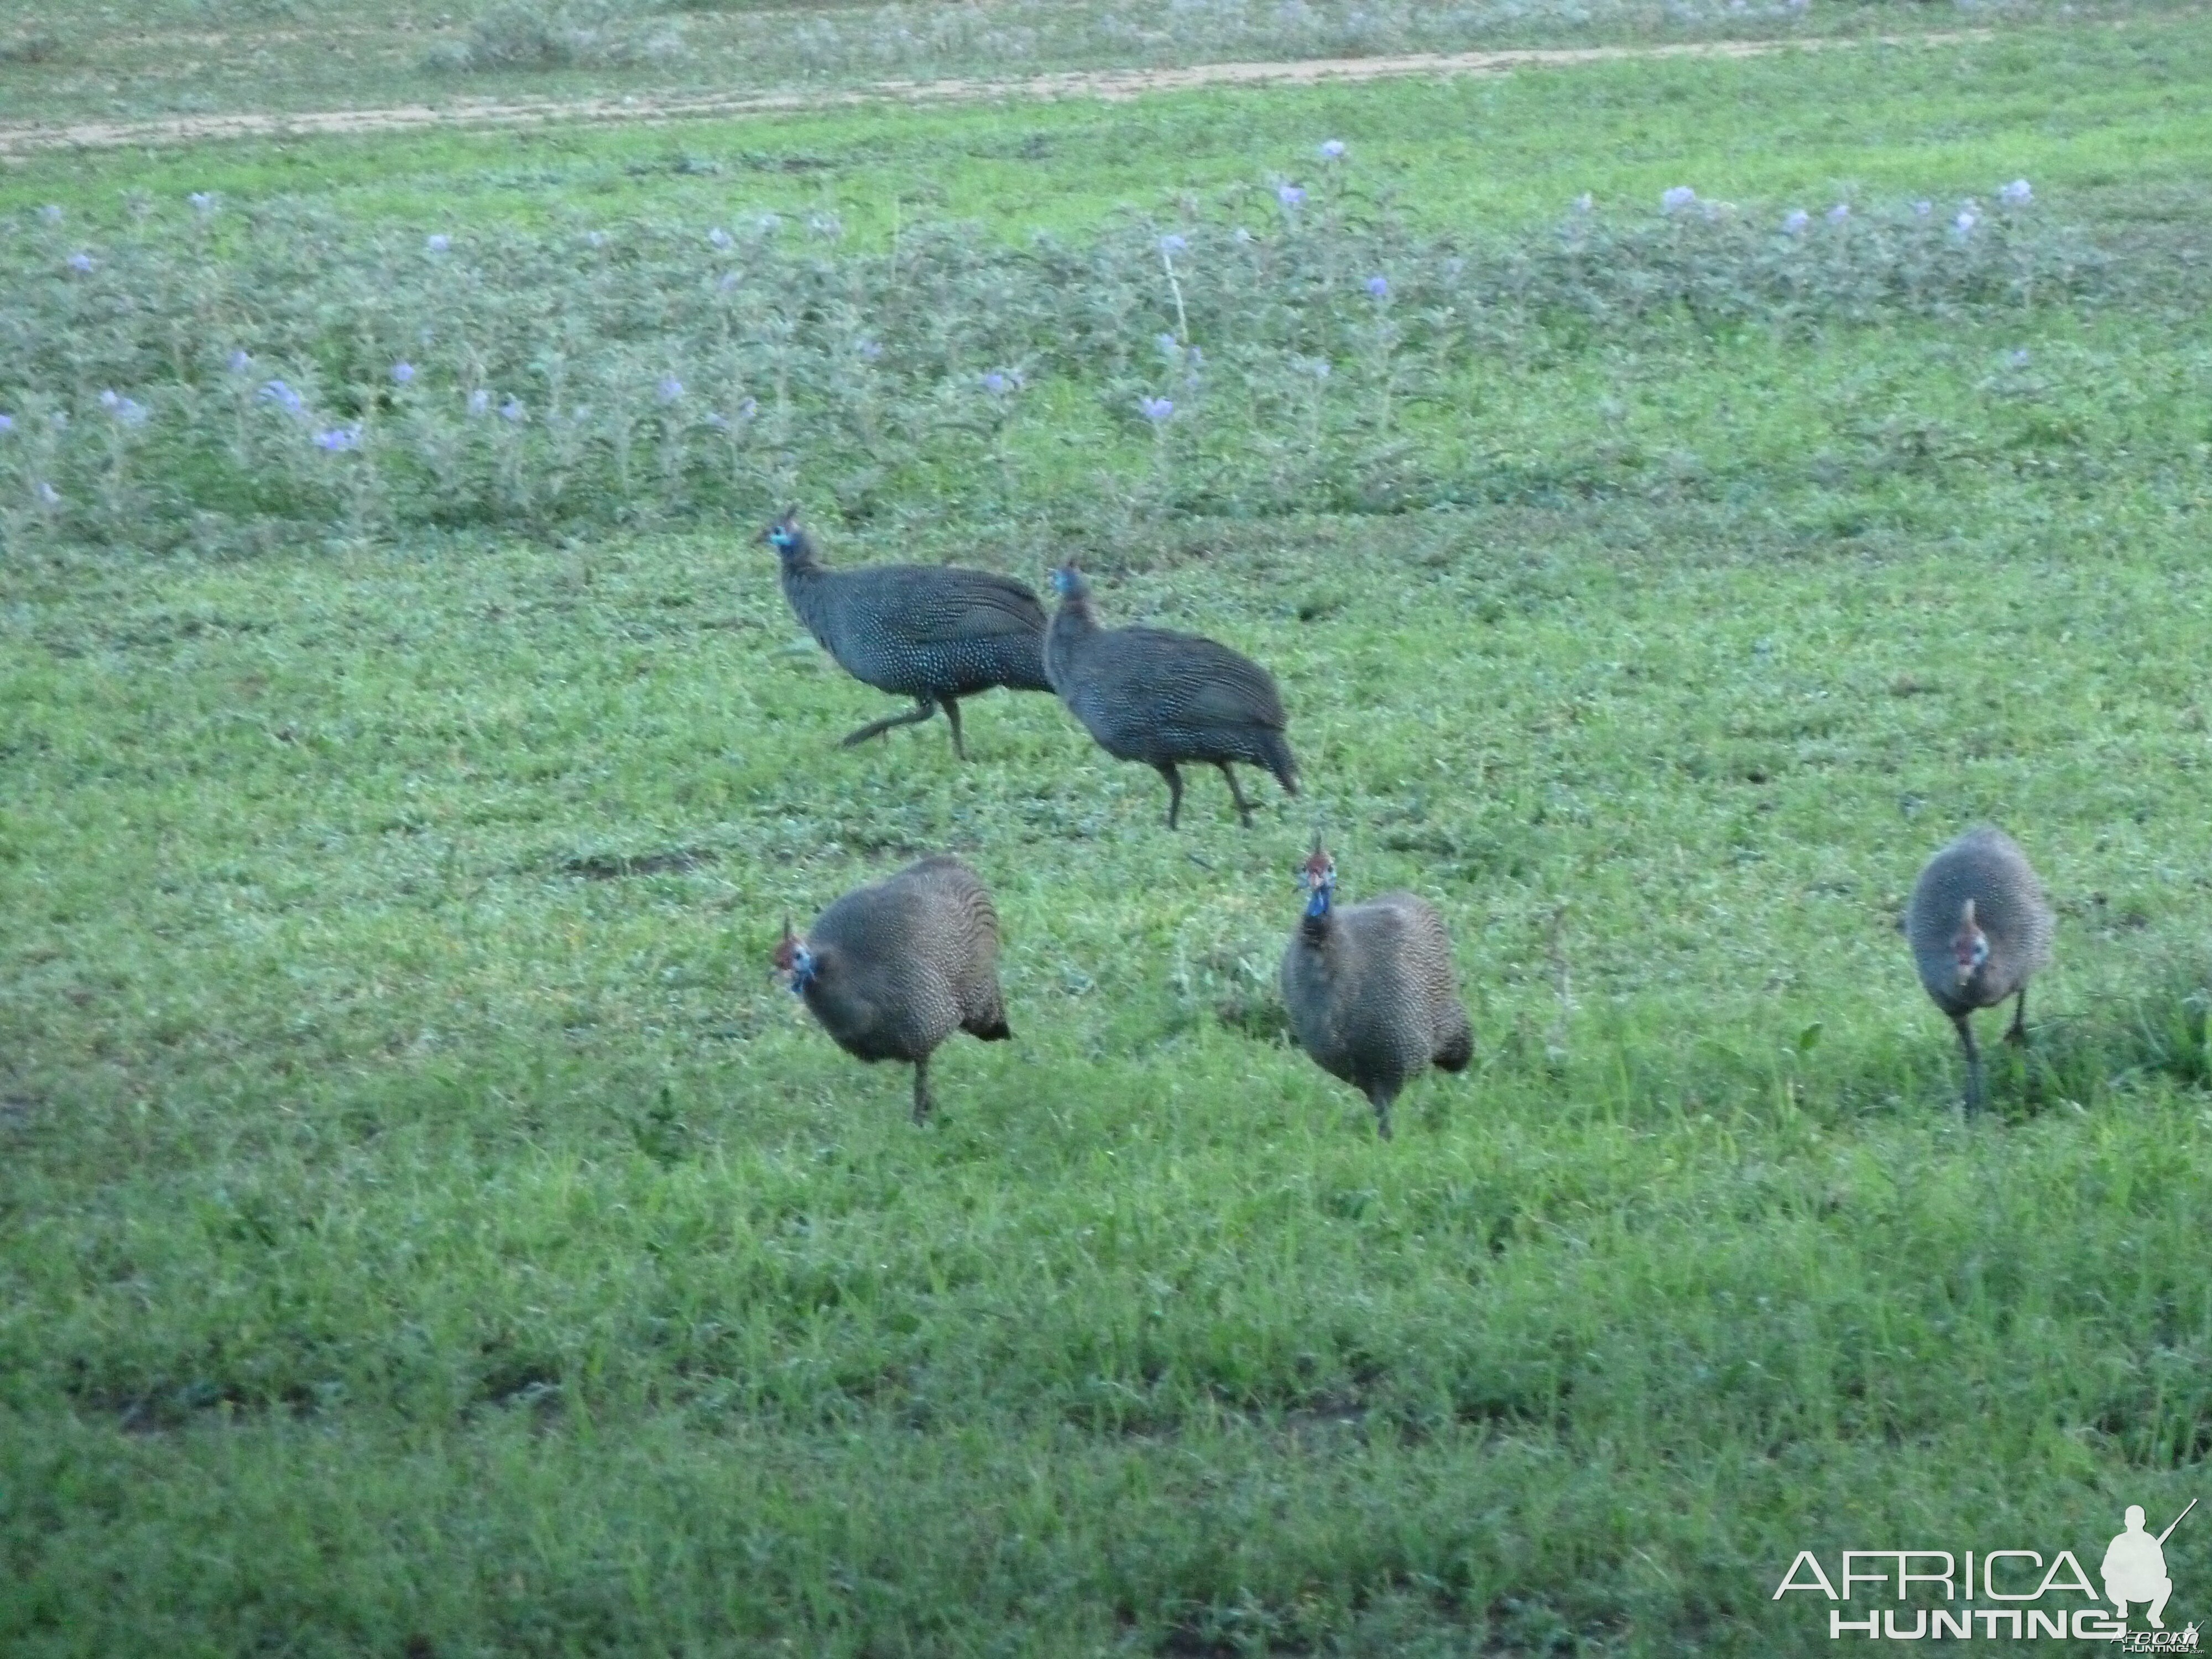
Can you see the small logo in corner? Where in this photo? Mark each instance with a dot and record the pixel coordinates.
(2003, 1595)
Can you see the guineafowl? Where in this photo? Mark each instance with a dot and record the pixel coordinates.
(893, 970)
(1980, 928)
(1151, 696)
(932, 633)
(1370, 990)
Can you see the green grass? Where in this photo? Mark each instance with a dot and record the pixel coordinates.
(428, 1224)
(2103, 114)
(196, 56)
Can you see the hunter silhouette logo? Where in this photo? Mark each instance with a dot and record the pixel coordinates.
(2002, 1594)
(2135, 1566)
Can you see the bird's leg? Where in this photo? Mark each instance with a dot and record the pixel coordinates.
(1243, 807)
(921, 1089)
(922, 709)
(951, 706)
(1964, 1023)
(1167, 769)
(1380, 1098)
(2018, 1030)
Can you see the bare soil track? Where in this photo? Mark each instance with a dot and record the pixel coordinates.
(18, 139)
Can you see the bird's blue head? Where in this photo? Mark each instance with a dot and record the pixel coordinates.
(1970, 945)
(1067, 581)
(794, 960)
(785, 536)
(1318, 877)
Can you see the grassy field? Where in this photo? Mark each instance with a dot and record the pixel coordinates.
(96, 63)
(428, 1229)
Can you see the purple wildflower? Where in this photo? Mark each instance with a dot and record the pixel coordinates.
(1967, 219)
(1158, 410)
(512, 411)
(1172, 244)
(1923, 207)
(669, 389)
(128, 410)
(1795, 222)
(1378, 287)
(1331, 148)
(402, 372)
(769, 224)
(718, 237)
(1838, 214)
(728, 282)
(1170, 348)
(277, 393)
(51, 213)
(1240, 234)
(437, 242)
(2019, 358)
(596, 238)
(1675, 198)
(80, 262)
(1290, 197)
(1584, 203)
(716, 419)
(868, 349)
(7, 423)
(48, 495)
(240, 362)
(748, 409)
(339, 438)
(997, 383)
(479, 401)
(2016, 194)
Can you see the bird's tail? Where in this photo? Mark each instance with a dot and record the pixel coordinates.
(1280, 761)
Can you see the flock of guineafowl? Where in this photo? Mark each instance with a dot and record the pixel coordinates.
(894, 968)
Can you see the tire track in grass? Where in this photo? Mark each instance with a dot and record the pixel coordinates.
(20, 139)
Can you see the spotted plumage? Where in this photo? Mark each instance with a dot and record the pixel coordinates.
(1980, 928)
(894, 968)
(1370, 990)
(936, 634)
(1148, 695)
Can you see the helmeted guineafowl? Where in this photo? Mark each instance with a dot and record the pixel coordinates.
(1980, 928)
(1370, 990)
(933, 633)
(1152, 696)
(894, 968)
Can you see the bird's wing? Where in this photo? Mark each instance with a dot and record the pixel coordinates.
(1222, 688)
(922, 604)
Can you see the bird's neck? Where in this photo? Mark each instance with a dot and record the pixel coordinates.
(808, 587)
(1074, 617)
(1317, 929)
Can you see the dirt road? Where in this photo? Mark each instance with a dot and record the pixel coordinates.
(20, 139)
